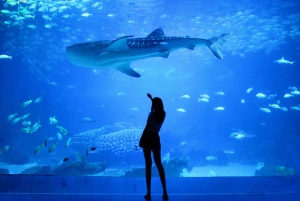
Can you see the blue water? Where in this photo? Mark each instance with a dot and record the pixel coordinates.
(260, 33)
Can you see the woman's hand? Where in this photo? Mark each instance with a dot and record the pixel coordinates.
(149, 95)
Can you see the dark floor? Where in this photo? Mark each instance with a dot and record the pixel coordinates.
(63, 188)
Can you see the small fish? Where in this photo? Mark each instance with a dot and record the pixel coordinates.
(267, 110)
(46, 17)
(80, 157)
(31, 26)
(295, 92)
(26, 103)
(260, 95)
(96, 4)
(45, 141)
(229, 152)
(11, 117)
(132, 22)
(249, 90)
(242, 101)
(210, 158)
(203, 100)
(86, 14)
(283, 61)
(16, 120)
(180, 110)
(93, 148)
(221, 93)
(38, 100)
(5, 11)
(272, 96)
(27, 130)
(26, 123)
(295, 108)
(166, 157)
(136, 147)
(183, 143)
(284, 109)
(134, 109)
(288, 96)
(48, 26)
(87, 120)
(38, 149)
(53, 147)
(121, 93)
(4, 149)
(185, 96)
(25, 116)
(3, 56)
(65, 159)
(293, 88)
(219, 108)
(63, 130)
(53, 120)
(204, 96)
(274, 106)
(36, 126)
(59, 136)
(68, 142)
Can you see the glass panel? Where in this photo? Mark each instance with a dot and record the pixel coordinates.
(75, 77)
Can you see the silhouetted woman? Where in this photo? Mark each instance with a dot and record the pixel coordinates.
(150, 142)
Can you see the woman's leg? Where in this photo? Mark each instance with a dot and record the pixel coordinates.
(157, 160)
(148, 161)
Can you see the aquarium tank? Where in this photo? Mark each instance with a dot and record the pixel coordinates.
(75, 76)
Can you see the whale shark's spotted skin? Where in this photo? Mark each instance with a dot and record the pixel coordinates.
(121, 52)
(156, 38)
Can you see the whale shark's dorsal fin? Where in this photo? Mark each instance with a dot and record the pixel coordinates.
(157, 33)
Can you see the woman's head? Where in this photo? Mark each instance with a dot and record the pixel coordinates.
(158, 109)
(157, 105)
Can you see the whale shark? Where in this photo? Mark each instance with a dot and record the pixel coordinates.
(119, 53)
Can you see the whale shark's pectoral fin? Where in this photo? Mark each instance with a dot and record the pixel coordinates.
(126, 69)
(191, 47)
(118, 45)
(165, 53)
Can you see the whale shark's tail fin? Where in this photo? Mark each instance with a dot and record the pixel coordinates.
(216, 43)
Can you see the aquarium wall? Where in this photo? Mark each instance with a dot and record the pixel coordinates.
(75, 77)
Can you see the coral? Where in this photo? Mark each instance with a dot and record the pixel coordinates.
(221, 157)
(173, 168)
(40, 170)
(75, 168)
(140, 172)
(14, 157)
(275, 171)
(198, 157)
(4, 171)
